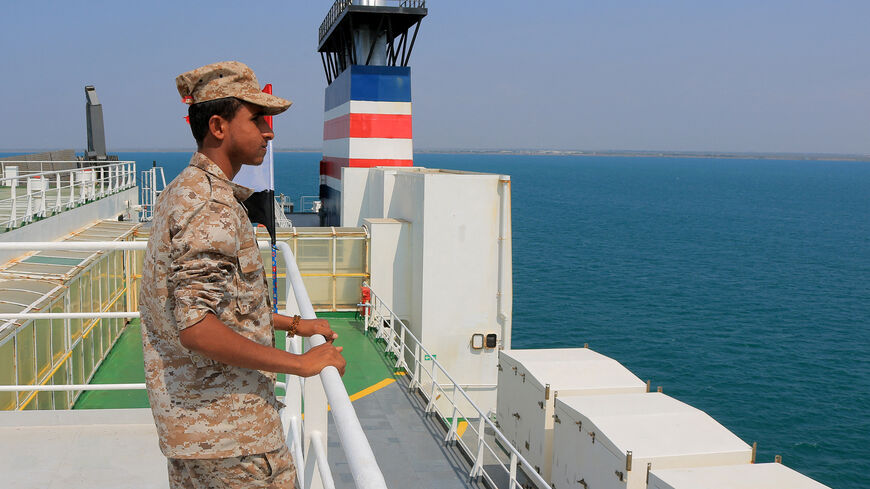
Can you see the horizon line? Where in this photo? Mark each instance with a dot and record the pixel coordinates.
(538, 152)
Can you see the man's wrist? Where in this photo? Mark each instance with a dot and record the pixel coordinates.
(293, 328)
(281, 322)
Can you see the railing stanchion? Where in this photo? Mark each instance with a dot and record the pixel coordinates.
(415, 380)
(83, 196)
(400, 361)
(316, 421)
(13, 217)
(43, 185)
(391, 340)
(318, 444)
(72, 189)
(430, 406)
(513, 471)
(28, 213)
(58, 205)
(451, 433)
(477, 469)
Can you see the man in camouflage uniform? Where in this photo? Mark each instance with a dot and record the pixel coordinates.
(207, 325)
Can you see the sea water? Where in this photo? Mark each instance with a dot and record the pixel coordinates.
(740, 286)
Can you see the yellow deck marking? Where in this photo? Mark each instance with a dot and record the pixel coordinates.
(460, 428)
(369, 390)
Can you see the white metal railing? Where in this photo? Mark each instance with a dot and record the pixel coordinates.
(309, 203)
(307, 440)
(360, 457)
(280, 218)
(413, 357)
(28, 195)
(153, 182)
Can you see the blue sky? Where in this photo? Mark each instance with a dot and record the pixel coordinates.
(771, 76)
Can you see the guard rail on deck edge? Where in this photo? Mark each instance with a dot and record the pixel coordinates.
(399, 343)
(72, 187)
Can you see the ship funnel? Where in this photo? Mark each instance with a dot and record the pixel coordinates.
(96, 131)
(365, 46)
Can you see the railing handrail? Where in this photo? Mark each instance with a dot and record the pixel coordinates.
(331, 16)
(405, 333)
(93, 164)
(31, 173)
(60, 186)
(360, 457)
(72, 387)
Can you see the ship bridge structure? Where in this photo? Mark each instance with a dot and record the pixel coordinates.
(365, 47)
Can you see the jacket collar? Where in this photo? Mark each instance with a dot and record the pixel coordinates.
(201, 161)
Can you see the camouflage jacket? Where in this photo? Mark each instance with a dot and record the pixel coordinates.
(202, 257)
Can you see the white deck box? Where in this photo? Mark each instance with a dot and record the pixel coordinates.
(610, 441)
(529, 381)
(755, 476)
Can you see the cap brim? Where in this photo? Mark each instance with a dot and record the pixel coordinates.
(271, 104)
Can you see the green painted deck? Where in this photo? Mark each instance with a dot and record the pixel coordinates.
(53, 260)
(123, 365)
(366, 364)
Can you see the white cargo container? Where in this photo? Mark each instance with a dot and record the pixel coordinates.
(529, 381)
(754, 476)
(611, 441)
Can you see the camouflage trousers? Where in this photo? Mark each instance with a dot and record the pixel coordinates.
(274, 470)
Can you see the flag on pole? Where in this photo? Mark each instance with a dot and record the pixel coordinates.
(261, 204)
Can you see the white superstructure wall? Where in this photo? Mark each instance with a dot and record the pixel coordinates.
(454, 255)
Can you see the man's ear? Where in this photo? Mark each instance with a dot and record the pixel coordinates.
(217, 126)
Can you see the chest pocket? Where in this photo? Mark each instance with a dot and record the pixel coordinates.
(251, 282)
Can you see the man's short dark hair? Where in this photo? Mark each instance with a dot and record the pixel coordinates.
(200, 114)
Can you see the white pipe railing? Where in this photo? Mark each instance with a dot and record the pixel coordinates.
(403, 343)
(319, 447)
(151, 186)
(68, 315)
(51, 192)
(74, 245)
(72, 387)
(360, 456)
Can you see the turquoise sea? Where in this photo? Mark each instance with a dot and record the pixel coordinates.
(740, 286)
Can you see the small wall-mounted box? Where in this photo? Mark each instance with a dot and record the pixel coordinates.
(479, 341)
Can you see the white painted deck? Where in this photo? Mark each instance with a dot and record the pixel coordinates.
(106, 448)
(117, 448)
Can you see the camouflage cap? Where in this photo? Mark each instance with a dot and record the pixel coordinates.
(227, 79)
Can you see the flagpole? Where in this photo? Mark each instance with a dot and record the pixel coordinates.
(270, 212)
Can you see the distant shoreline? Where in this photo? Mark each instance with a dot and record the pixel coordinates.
(557, 152)
(663, 154)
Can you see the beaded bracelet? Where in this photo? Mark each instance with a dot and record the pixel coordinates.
(294, 324)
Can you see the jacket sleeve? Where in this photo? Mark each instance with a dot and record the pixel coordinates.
(203, 266)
